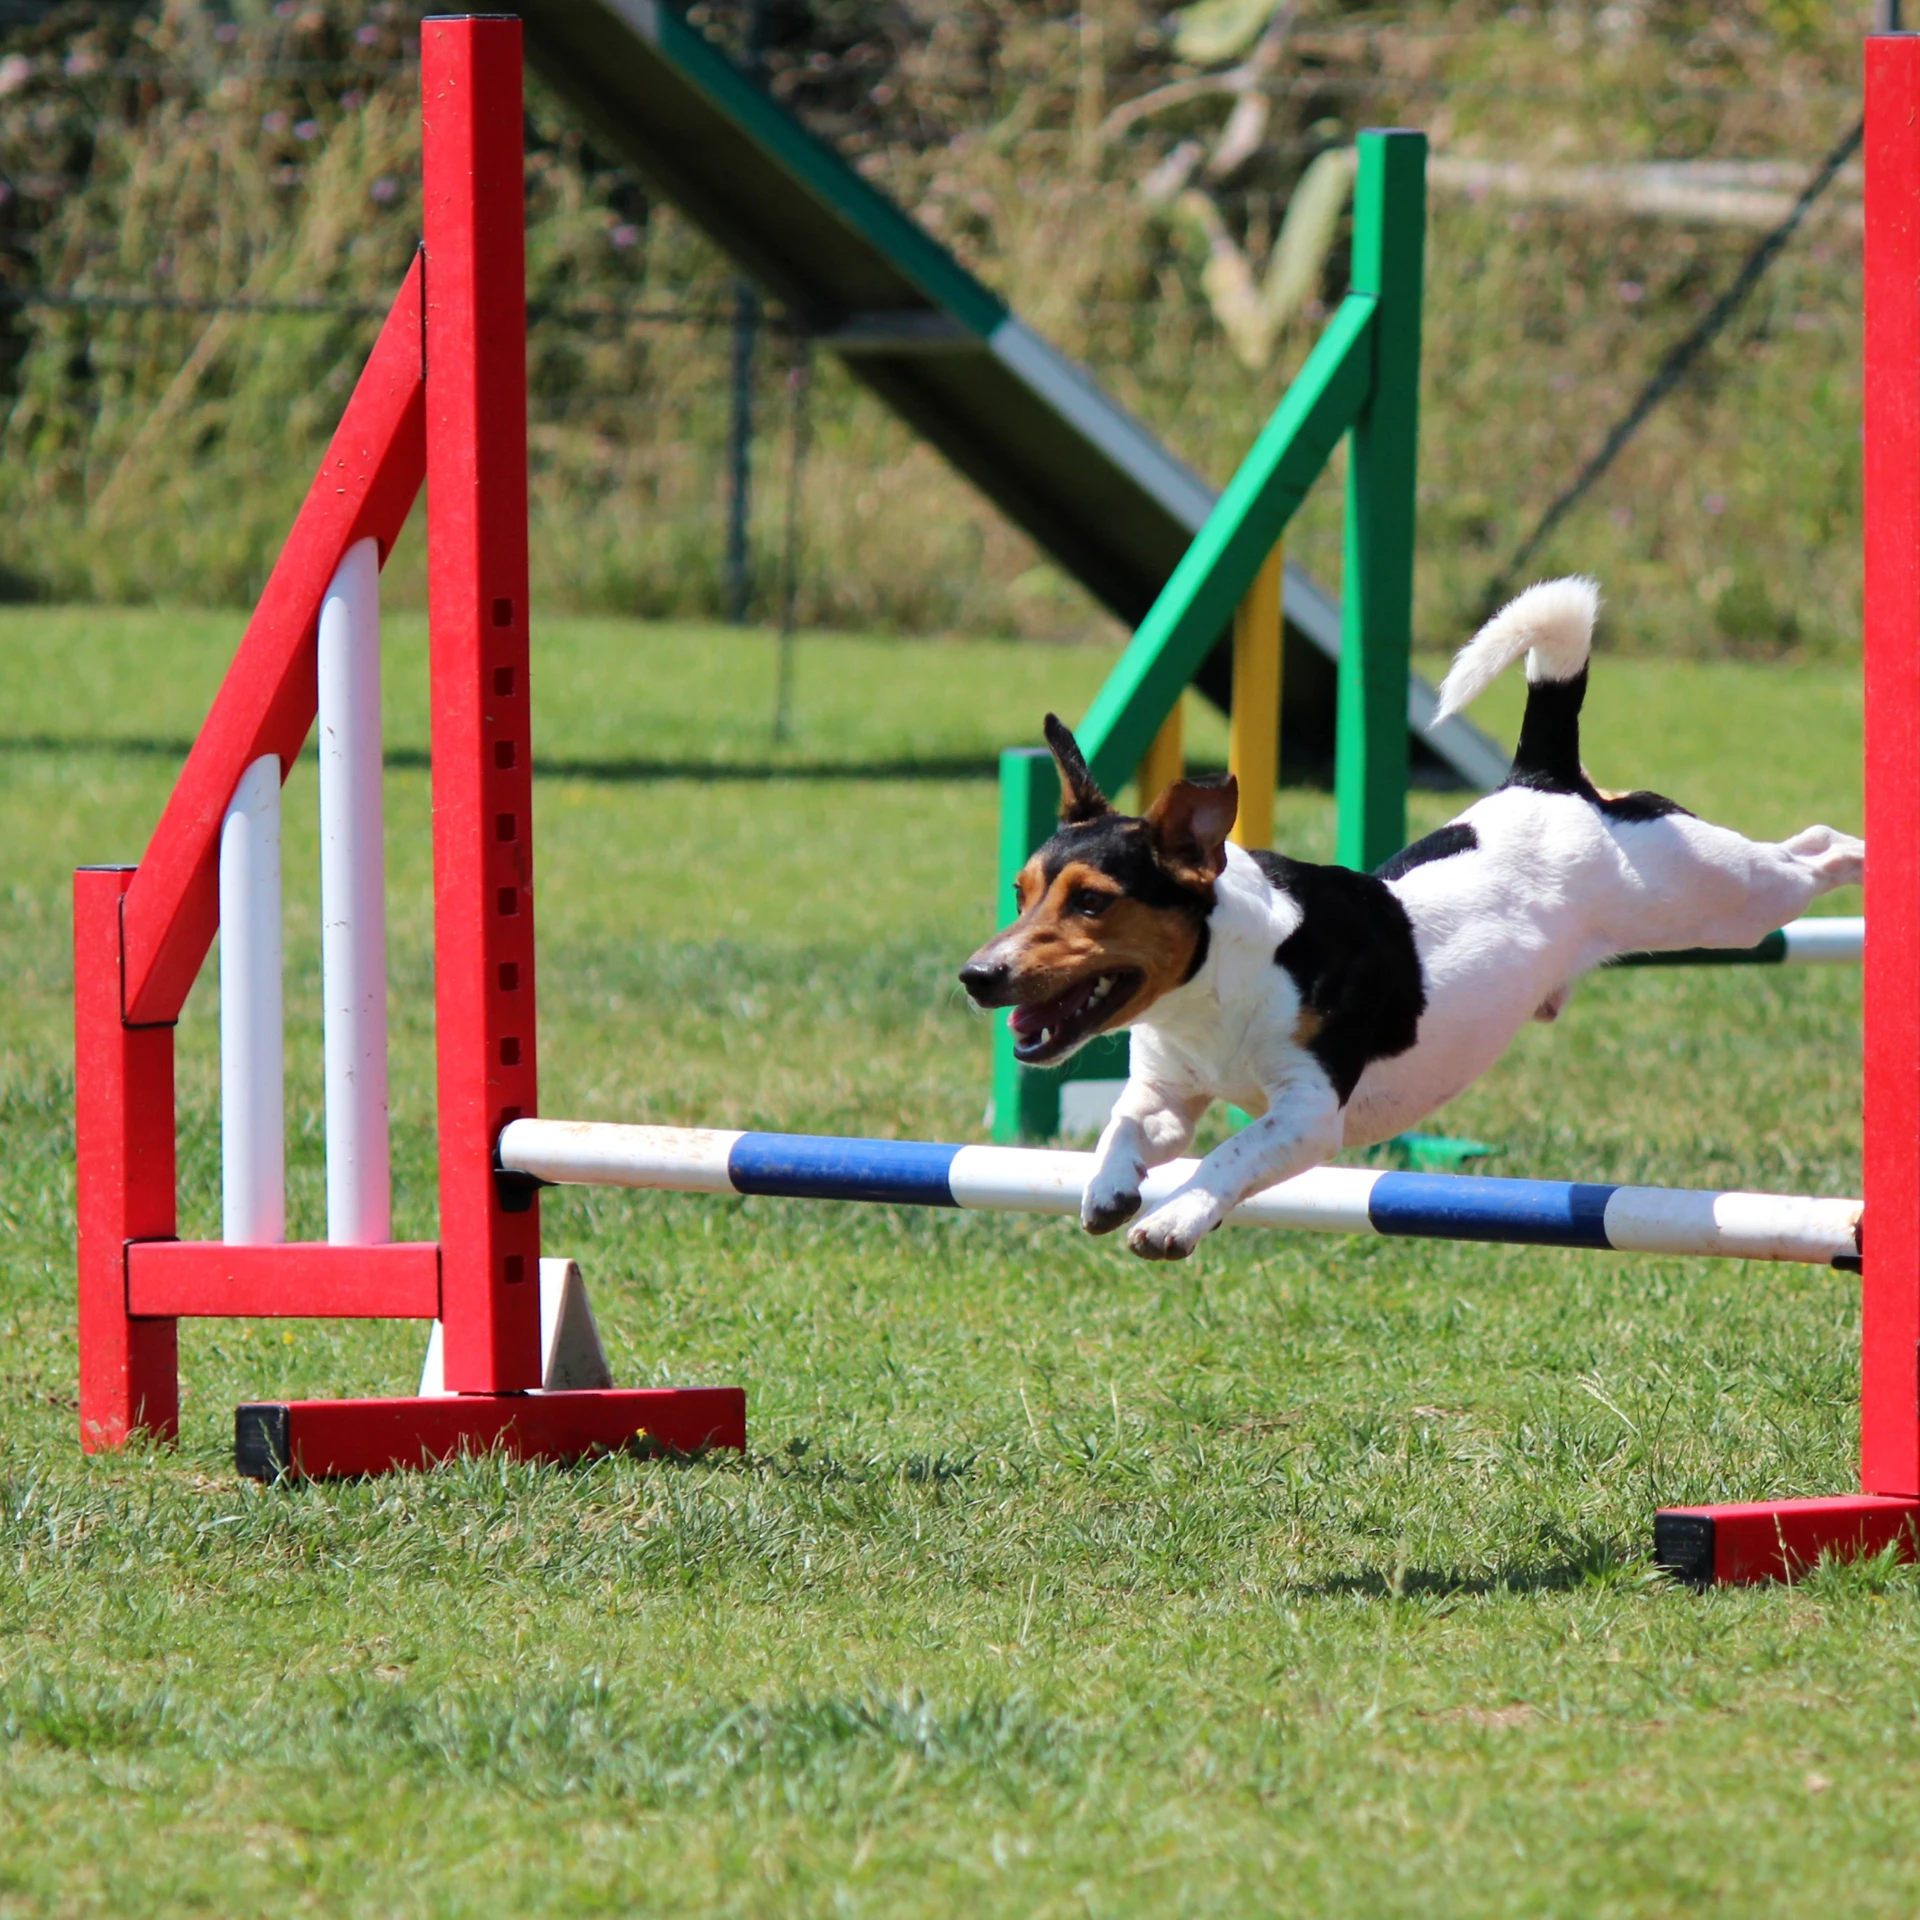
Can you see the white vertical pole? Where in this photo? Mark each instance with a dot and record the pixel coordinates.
(253, 1172)
(353, 904)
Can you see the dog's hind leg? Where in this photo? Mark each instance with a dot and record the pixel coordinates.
(1695, 884)
(1838, 859)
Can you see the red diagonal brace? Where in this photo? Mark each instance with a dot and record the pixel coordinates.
(366, 486)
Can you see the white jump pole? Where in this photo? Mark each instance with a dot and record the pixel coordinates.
(1839, 941)
(253, 1171)
(353, 905)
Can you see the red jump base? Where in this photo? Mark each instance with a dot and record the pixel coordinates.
(339, 1439)
(1780, 1539)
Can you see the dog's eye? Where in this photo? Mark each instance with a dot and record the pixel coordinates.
(1086, 901)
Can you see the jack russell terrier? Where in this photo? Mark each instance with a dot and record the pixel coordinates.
(1341, 1008)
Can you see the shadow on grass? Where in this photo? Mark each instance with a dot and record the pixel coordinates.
(634, 771)
(1576, 1563)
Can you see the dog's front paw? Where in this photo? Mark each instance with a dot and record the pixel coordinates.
(1104, 1208)
(1171, 1232)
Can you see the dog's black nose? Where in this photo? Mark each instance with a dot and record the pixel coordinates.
(985, 980)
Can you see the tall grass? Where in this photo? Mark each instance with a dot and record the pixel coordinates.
(272, 155)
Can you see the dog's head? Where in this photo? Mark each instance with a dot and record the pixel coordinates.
(1113, 910)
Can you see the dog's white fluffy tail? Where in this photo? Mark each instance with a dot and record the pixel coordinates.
(1552, 624)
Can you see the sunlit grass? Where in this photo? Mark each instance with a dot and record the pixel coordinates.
(1311, 1575)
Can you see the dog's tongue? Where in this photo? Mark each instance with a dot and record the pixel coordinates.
(1050, 1013)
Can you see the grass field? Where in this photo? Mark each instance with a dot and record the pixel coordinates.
(1310, 1576)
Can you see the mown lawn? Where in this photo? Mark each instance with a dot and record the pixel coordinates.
(1310, 1576)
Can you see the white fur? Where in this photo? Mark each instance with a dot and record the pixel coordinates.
(1554, 887)
(1552, 624)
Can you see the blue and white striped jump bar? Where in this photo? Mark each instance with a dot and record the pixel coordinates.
(1427, 1206)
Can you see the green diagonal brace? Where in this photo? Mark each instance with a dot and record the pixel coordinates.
(1197, 604)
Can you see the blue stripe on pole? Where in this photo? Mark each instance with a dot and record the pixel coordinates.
(802, 1166)
(1540, 1213)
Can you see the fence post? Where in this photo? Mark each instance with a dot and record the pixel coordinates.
(1389, 241)
(1253, 740)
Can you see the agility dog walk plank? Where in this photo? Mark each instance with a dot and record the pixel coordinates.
(1033, 430)
(1424, 1206)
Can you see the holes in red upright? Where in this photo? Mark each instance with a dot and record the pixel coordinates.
(505, 827)
(509, 900)
(514, 1267)
(509, 1053)
(503, 613)
(509, 976)
(503, 680)
(503, 754)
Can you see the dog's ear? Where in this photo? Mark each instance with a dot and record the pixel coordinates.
(1080, 799)
(1190, 823)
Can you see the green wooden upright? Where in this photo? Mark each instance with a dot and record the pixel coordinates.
(1376, 586)
(1362, 378)
(1026, 1100)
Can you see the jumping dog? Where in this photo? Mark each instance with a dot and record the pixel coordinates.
(1340, 1008)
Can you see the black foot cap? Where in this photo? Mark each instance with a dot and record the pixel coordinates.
(262, 1433)
(1683, 1546)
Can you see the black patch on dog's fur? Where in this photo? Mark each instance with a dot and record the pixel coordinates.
(1201, 948)
(1639, 805)
(1121, 847)
(1353, 959)
(1442, 843)
(1547, 758)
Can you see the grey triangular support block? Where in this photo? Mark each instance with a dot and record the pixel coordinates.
(571, 1356)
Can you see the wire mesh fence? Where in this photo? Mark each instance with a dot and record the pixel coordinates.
(202, 217)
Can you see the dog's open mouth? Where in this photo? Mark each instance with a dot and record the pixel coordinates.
(1045, 1030)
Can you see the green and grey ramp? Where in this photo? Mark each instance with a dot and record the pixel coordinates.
(1029, 427)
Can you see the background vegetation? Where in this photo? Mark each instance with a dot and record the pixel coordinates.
(199, 151)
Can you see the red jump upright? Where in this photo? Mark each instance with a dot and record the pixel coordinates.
(442, 398)
(1777, 1539)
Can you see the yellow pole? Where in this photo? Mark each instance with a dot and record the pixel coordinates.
(1164, 761)
(1253, 738)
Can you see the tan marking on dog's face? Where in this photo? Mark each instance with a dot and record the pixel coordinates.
(1306, 1028)
(1084, 925)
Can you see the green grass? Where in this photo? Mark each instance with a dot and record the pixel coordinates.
(1310, 1576)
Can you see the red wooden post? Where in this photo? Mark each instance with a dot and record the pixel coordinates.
(1776, 1539)
(477, 596)
(123, 1123)
(1890, 1319)
(140, 936)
